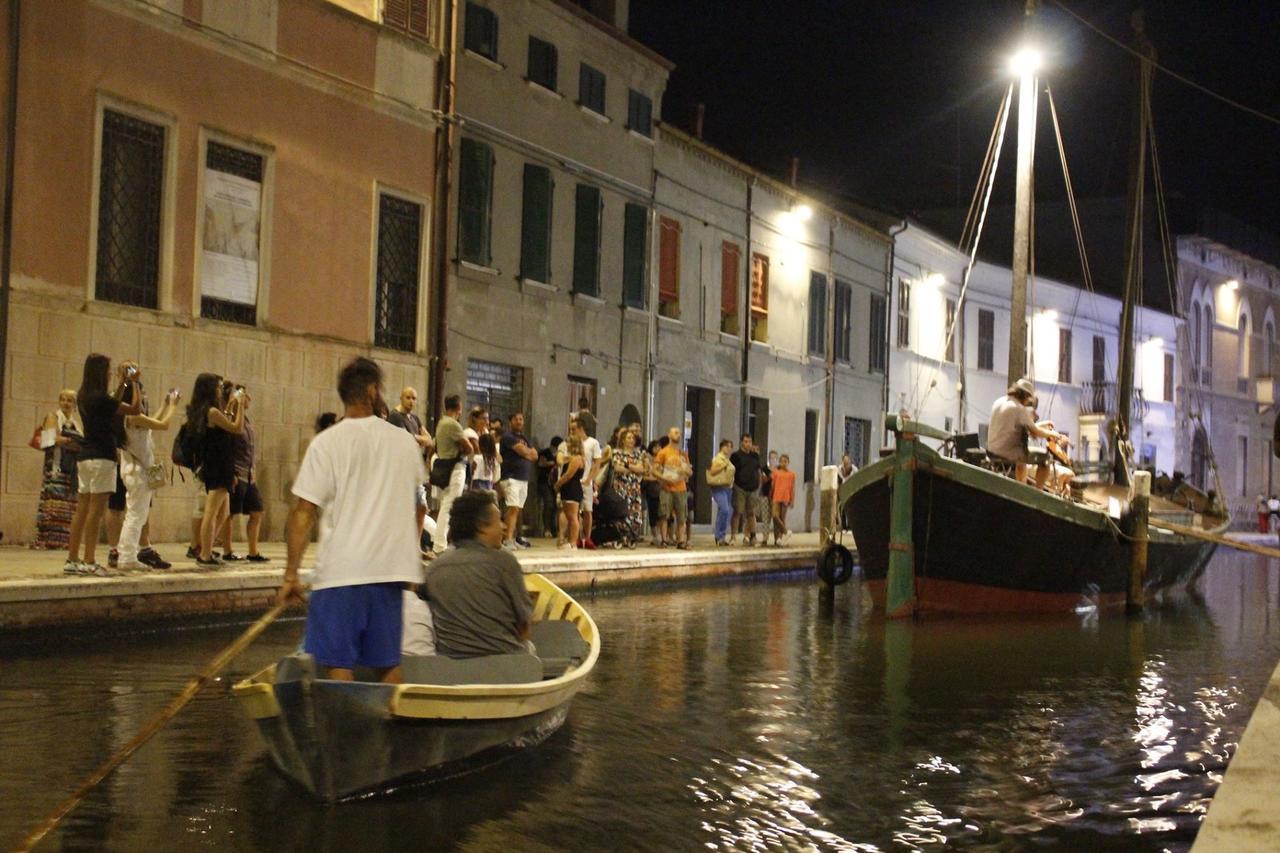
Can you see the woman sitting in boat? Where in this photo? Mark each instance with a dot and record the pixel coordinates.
(1012, 422)
(479, 604)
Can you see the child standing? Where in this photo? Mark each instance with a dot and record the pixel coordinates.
(782, 496)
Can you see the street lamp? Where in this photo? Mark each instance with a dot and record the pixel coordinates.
(1026, 62)
(802, 212)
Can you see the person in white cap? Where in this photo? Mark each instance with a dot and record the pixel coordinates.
(1012, 422)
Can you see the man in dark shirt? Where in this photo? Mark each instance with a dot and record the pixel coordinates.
(404, 417)
(476, 590)
(518, 456)
(746, 480)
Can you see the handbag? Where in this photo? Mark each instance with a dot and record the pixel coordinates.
(35, 443)
(155, 475)
(722, 478)
(442, 472)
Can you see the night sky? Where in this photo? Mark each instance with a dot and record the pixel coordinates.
(891, 103)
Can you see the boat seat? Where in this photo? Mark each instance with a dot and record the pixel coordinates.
(296, 667)
(489, 669)
(559, 645)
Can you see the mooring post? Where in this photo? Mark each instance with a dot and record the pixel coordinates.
(829, 507)
(900, 586)
(1138, 517)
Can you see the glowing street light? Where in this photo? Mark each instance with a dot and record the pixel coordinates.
(802, 212)
(1026, 62)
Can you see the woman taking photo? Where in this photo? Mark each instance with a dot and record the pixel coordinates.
(103, 414)
(212, 432)
(60, 435)
(137, 464)
(570, 488)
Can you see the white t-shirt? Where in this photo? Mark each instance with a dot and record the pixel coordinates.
(590, 453)
(364, 474)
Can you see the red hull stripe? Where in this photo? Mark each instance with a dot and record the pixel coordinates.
(942, 596)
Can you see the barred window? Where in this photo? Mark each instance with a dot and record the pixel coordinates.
(229, 267)
(395, 323)
(130, 203)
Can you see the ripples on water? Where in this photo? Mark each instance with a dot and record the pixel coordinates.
(721, 717)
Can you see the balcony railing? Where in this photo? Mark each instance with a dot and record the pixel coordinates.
(1099, 398)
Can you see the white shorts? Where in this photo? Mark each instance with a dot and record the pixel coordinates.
(96, 476)
(588, 496)
(515, 492)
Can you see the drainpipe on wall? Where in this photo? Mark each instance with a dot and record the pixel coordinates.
(651, 321)
(743, 414)
(11, 141)
(829, 413)
(444, 164)
(888, 308)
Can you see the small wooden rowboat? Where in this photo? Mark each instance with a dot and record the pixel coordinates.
(345, 739)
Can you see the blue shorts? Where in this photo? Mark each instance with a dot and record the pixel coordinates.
(350, 626)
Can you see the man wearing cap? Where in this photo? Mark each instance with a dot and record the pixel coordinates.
(1012, 421)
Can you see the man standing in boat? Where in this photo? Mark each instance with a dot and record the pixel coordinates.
(363, 472)
(1012, 423)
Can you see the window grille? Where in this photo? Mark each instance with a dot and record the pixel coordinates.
(497, 388)
(130, 203)
(399, 252)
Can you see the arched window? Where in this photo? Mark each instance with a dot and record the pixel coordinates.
(1268, 347)
(1195, 335)
(1242, 346)
(1208, 337)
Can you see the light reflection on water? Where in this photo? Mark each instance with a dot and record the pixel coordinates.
(721, 717)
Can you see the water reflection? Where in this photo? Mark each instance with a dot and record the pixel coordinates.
(720, 717)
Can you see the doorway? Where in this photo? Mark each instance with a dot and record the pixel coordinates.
(758, 424)
(699, 431)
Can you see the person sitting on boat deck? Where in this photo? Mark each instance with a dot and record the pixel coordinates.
(476, 590)
(1059, 473)
(1012, 422)
(363, 472)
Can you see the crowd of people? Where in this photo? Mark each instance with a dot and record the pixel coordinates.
(101, 460)
(591, 491)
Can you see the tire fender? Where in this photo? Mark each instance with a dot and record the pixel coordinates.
(835, 564)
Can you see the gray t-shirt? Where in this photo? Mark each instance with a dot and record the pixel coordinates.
(448, 434)
(1007, 433)
(478, 601)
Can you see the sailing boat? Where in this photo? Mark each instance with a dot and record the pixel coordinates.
(939, 534)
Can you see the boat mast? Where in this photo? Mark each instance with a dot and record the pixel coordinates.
(1027, 96)
(1132, 257)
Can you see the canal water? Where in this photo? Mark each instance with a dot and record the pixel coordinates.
(723, 716)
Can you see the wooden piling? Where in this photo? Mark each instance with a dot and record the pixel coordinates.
(1138, 518)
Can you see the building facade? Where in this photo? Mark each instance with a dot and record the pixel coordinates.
(1225, 437)
(548, 280)
(764, 303)
(237, 188)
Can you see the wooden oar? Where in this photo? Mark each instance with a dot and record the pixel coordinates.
(1214, 537)
(157, 722)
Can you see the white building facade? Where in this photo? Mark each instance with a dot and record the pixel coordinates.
(947, 370)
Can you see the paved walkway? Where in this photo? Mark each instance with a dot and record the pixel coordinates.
(35, 593)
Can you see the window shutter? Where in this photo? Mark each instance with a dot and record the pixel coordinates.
(475, 201)
(412, 16)
(730, 269)
(817, 313)
(586, 241)
(395, 13)
(635, 228)
(535, 226)
(669, 260)
(759, 285)
(420, 17)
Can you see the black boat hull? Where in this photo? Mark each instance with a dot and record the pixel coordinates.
(979, 547)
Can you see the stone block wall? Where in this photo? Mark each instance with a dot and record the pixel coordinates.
(291, 378)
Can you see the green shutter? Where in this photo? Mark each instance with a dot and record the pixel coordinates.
(635, 234)
(475, 201)
(817, 313)
(535, 227)
(586, 241)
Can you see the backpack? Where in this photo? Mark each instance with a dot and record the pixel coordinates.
(186, 450)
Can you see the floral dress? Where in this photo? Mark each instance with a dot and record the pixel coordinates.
(628, 485)
(57, 492)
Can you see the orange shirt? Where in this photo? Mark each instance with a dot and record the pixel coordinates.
(784, 487)
(671, 457)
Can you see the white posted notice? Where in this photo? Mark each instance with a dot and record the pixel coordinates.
(232, 215)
